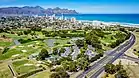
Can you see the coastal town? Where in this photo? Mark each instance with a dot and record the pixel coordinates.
(60, 47)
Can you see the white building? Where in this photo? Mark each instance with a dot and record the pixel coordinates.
(52, 17)
(97, 23)
(73, 19)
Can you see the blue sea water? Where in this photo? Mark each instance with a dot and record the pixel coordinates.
(121, 18)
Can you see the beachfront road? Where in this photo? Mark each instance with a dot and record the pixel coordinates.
(96, 69)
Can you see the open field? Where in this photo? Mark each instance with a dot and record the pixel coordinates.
(108, 39)
(43, 74)
(5, 71)
(133, 71)
(5, 44)
(136, 46)
(23, 66)
(13, 36)
(108, 76)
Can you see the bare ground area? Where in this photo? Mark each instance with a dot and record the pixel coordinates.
(5, 39)
(131, 51)
(133, 71)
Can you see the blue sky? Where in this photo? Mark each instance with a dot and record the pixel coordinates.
(82, 6)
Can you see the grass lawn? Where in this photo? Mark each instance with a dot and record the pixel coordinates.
(5, 44)
(20, 68)
(48, 29)
(108, 39)
(18, 50)
(5, 71)
(62, 41)
(9, 54)
(25, 69)
(21, 62)
(13, 36)
(43, 74)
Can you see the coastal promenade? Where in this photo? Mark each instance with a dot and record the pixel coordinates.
(96, 69)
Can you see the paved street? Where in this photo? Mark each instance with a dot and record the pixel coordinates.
(130, 58)
(95, 70)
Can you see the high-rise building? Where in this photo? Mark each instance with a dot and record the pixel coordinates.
(73, 19)
(65, 18)
(53, 17)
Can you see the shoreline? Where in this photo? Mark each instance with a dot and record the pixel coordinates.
(110, 22)
(125, 24)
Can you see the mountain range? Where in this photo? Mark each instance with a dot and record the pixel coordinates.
(35, 10)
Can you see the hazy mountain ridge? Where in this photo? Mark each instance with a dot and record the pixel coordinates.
(35, 10)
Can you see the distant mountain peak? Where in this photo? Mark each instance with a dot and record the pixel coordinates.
(57, 8)
(39, 7)
(35, 10)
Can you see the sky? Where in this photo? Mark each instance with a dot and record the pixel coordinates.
(81, 6)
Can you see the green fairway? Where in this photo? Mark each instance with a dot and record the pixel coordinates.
(109, 38)
(5, 44)
(9, 54)
(23, 66)
(43, 74)
(18, 63)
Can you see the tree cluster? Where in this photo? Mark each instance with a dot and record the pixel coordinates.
(118, 70)
(92, 38)
(121, 37)
(59, 72)
(43, 54)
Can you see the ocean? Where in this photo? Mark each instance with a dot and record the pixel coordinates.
(120, 18)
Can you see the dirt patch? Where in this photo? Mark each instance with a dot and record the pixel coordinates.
(6, 39)
(133, 71)
(125, 62)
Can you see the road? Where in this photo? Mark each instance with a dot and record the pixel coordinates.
(96, 69)
(130, 58)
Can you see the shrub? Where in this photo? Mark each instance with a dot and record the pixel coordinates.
(5, 50)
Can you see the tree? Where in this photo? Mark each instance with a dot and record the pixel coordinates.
(43, 54)
(110, 68)
(65, 64)
(5, 50)
(79, 43)
(54, 75)
(72, 67)
(64, 74)
(62, 50)
(82, 63)
(61, 72)
(122, 29)
(122, 74)
(119, 66)
(92, 38)
(55, 51)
